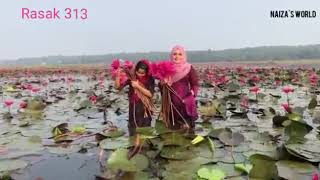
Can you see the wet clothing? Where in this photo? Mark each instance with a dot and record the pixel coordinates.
(138, 116)
(188, 108)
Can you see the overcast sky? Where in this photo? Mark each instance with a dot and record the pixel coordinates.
(153, 25)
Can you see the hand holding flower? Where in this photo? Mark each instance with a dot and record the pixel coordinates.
(134, 84)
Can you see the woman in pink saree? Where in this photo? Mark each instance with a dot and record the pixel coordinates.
(185, 83)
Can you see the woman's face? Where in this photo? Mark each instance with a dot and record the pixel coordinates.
(177, 56)
(140, 72)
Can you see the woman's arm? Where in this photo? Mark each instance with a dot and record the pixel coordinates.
(146, 92)
(117, 83)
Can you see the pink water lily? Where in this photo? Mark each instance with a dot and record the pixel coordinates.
(277, 82)
(93, 99)
(286, 107)
(287, 89)
(115, 64)
(23, 105)
(244, 102)
(29, 86)
(128, 64)
(35, 89)
(313, 79)
(8, 102)
(255, 89)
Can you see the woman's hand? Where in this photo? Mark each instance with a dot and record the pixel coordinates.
(119, 72)
(134, 84)
(167, 81)
(192, 92)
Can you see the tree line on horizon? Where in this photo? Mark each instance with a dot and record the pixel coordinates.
(262, 53)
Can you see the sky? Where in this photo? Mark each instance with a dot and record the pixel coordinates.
(153, 25)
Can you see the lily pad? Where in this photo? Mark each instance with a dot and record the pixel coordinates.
(175, 139)
(231, 139)
(177, 153)
(243, 167)
(294, 116)
(118, 160)
(295, 131)
(10, 165)
(295, 170)
(278, 120)
(80, 129)
(114, 143)
(161, 128)
(313, 103)
(147, 132)
(309, 151)
(140, 161)
(263, 167)
(211, 173)
(35, 104)
(114, 133)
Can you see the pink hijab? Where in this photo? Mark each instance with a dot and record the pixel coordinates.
(183, 67)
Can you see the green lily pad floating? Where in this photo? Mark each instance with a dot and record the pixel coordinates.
(161, 128)
(118, 160)
(175, 139)
(177, 153)
(81, 104)
(35, 104)
(43, 133)
(140, 161)
(309, 151)
(231, 139)
(263, 167)
(135, 176)
(278, 120)
(295, 131)
(184, 169)
(211, 174)
(21, 146)
(243, 167)
(232, 87)
(78, 129)
(313, 103)
(112, 133)
(10, 165)
(215, 133)
(114, 143)
(203, 150)
(11, 89)
(197, 140)
(263, 147)
(295, 170)
(295, 116)
(211, 144)
(60, 129)
(182, 175)
(147, 132)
